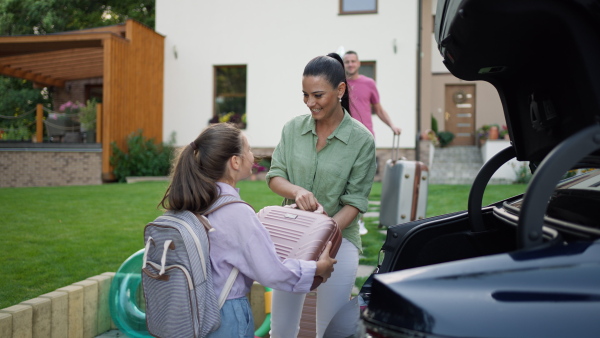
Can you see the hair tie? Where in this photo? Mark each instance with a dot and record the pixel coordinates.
(193, 145)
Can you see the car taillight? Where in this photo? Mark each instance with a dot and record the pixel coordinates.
(367, 330)
(374, 334)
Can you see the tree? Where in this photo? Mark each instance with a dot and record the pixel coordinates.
(23, 97)
(50, 16)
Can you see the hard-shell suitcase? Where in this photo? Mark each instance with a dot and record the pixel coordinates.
(301, 234)
(404, 189)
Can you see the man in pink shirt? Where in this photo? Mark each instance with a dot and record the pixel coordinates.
(363, 93)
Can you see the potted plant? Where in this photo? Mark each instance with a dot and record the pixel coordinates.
(237, 119)
(70, 108)
(504, 133)
(445, 137)
(493, 133)
(65, 125)
(87, 118)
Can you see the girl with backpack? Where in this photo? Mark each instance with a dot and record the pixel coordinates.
(207, 168)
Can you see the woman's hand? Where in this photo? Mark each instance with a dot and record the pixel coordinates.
(325, 263)
(305, 200)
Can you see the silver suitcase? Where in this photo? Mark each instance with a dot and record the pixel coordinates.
(404, 189)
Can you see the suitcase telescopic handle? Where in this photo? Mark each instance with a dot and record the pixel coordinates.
(320, 209)
(395, 148)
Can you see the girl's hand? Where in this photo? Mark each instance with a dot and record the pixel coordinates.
(325, 263)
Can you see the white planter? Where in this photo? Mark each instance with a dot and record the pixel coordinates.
(507, 171)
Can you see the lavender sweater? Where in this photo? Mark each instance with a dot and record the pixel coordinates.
(240, 240)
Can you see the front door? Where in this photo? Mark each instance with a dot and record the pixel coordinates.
(460, 114)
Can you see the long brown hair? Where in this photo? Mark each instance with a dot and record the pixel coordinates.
(199, 166)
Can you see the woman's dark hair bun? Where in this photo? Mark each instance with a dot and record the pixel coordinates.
(337, 57)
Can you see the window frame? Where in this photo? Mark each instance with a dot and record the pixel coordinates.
(372, 64)
(342, 12)
(215, 114)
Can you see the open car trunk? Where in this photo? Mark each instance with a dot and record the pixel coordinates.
(529, 265)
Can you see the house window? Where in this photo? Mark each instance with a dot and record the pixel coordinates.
(358, 6)
(93, 92)
(230, 95)
(367, 68)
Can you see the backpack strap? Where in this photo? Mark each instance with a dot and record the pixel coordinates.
(228, 285)
(222, 201)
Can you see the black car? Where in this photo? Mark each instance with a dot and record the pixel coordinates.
(528, 266)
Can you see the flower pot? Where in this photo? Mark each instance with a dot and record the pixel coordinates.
(90, 136)
(493, 133)
(73, 137)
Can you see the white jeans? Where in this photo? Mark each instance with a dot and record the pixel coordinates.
(331, 296)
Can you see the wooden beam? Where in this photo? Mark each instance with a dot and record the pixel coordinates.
(79, 75)
(27, 44)
(47, 81)
(71, 37)
(56, 63)
(64, 61)
(75, 52)
(58, 68)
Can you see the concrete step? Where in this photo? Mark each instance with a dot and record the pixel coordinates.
(455, 165)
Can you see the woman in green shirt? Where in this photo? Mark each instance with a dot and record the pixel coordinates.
(328, 158)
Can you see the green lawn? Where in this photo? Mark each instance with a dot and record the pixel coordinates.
(55, 236)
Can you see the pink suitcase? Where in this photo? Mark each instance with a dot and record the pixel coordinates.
(301, 234)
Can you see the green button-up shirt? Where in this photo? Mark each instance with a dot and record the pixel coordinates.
(341, 173)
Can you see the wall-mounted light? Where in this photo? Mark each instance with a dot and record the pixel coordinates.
(394, 46)
(175, 51)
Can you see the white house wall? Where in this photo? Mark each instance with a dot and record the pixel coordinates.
(275, 39)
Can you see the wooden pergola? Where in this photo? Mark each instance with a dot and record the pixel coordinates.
(129, 59)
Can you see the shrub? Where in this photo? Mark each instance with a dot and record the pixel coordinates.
(503, 132)
(142, 157)
(87, 115)
(19, 132)
(445, 138)
(262, 164)
(439, 138)
(523, 173)
(434, 124)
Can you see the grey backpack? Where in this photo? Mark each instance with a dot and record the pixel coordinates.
(177, 275)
